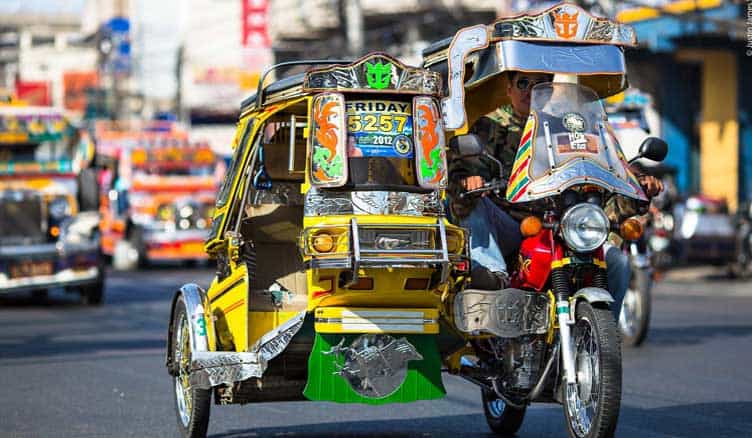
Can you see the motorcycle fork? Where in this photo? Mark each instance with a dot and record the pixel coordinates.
(561, 285)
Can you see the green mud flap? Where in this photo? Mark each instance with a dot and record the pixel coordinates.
(423, 380)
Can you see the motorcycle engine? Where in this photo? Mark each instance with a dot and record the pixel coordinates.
(519, 361)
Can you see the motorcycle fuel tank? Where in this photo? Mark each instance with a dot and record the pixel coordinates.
(534, 262)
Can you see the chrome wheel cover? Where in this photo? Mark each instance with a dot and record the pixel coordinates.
(182, 382)
(631, 307)
(583, 400)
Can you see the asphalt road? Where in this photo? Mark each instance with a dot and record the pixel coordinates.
(67, 370)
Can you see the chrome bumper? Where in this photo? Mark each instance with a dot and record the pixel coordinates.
(389, 258)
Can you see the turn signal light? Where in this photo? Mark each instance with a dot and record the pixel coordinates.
(54, 231)
(631, 229)
(323, 242)
(531, 226)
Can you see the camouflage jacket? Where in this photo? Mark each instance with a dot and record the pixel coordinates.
(501, 132)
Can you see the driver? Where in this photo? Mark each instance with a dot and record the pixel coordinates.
(494, 232)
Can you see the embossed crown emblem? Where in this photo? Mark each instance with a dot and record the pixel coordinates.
(565, 24)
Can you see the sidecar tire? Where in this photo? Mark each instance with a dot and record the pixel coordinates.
(505, 423)
(609, 371)
(197, 422)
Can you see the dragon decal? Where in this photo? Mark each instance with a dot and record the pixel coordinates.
(430, 141)
(328, 164)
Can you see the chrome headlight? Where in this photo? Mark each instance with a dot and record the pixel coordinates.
(584, 227)
(59, 208)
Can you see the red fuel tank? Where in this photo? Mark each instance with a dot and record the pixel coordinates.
(535, 262)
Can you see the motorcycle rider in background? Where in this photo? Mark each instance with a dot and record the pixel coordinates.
(494, 232)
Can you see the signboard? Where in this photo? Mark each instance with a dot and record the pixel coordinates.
(34, 92)
(75, 84)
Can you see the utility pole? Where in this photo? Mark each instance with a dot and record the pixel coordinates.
(354, 27)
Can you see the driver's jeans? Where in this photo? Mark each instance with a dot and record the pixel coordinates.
(494, 234)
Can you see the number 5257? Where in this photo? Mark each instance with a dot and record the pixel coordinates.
(376, 122)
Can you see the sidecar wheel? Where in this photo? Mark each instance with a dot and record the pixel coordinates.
(502, 419)
(192, 405)
(634, 318)
(591, 409)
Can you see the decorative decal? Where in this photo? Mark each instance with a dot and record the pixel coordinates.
(379, 128)
(565, 24)
(519, 180)
(328, 154)
(376, 72)
(429, 141)
(464, 42)
(576, 142)
(379, 75)
(574, 122)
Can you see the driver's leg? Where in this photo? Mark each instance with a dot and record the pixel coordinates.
(493, 234)
(619, 272)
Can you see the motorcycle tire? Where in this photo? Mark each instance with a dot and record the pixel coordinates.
(633, 334)
(502, 419)
(192, 405)
(593, 409)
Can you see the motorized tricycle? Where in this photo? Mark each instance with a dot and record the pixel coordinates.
(339, 277)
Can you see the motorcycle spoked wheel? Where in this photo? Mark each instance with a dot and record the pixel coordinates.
(634, 318)
(192, 405)
(502, 419)
(592, 409)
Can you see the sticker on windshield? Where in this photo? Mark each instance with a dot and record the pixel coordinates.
(576, 142)
(379, 128)
(574, 122)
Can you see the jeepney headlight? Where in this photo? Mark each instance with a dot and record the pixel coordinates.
(59, 208)
(166, 213)
(584, 227)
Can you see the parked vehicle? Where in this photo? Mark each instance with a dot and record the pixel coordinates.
(704, 232)
(158, 194)
(741, 266)
(49, 226)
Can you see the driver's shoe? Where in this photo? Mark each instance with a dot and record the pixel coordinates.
(482, 278)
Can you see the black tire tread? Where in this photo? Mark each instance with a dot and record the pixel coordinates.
(509, 422)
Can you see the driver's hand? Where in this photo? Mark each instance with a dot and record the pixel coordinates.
(472, 182)
(651, 185)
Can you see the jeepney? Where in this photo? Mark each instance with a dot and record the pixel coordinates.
(158, 191)
(49, 224)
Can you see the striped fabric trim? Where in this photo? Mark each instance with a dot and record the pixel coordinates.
(519, 179)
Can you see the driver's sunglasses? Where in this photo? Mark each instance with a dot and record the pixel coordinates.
(524, 84)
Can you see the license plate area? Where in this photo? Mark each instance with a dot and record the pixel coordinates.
(30, 268)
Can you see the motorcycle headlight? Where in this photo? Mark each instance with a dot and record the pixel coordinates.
(59, 208)
(584, 227)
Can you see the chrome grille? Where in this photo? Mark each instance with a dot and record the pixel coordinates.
(21, 218)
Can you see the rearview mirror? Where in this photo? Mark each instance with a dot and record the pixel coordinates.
(467, 145)
(653, 148)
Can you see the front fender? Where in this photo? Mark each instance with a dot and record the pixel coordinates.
(593, 295)
(199, 318)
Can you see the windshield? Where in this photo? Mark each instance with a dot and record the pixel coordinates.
(380, 146)
(568, 141)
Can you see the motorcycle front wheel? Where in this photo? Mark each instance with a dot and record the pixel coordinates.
(634, 318)
(502, 419)
(591, 407)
